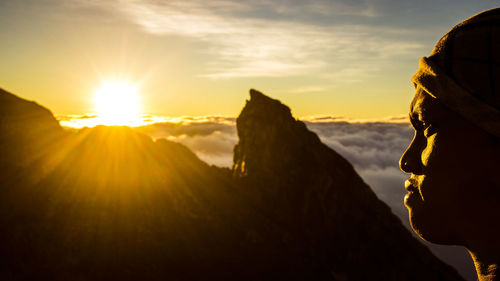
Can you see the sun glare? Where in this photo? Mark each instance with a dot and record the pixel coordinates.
(117, 103)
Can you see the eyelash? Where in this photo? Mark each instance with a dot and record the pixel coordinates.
(428, 129)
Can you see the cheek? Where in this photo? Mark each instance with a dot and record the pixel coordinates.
(429, 152)
(441, 179)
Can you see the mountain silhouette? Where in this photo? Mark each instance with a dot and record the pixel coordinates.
(109, 203)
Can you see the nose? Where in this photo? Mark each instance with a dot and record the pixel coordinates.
(403, 163)
(410, 160)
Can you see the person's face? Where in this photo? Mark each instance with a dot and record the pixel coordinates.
(452, 164)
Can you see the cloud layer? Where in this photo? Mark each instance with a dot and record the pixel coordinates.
(212, 138)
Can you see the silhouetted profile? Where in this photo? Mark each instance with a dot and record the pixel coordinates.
(454, 187)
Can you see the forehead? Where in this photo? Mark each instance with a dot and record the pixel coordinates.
(424, 107)
(424, 104)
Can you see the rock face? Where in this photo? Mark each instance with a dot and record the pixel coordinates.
(110, 203)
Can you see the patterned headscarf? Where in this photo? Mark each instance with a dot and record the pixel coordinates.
(463, 70)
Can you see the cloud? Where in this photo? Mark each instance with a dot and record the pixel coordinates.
(190, 127)
(329, 8)
(374, 145)
(241, 42)
(402, 119)
(308, 89)
(215, 148)
(212, 138)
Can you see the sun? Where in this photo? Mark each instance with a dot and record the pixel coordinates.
(117, 103)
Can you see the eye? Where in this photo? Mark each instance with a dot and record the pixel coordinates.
(428, 129)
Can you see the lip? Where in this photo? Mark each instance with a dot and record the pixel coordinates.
(411, 185)
(412, 197)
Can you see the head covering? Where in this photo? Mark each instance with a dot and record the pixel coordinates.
(463, 70)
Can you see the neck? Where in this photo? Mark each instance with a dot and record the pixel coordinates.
(487, 264)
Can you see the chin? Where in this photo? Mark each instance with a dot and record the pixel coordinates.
(431, 228)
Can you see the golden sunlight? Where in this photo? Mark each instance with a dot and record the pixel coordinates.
(117, 103)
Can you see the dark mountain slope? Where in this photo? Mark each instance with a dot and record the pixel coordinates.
(109, 203)
(26, 129)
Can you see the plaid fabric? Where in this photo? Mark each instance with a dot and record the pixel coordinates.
(439, 85)
(463, 70)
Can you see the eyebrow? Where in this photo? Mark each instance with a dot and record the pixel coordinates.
(413, 120)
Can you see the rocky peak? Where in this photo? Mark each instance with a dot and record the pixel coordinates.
(26, 128)
(17, 113)
(266, 128)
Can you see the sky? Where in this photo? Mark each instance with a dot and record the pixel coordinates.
(195, 58)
